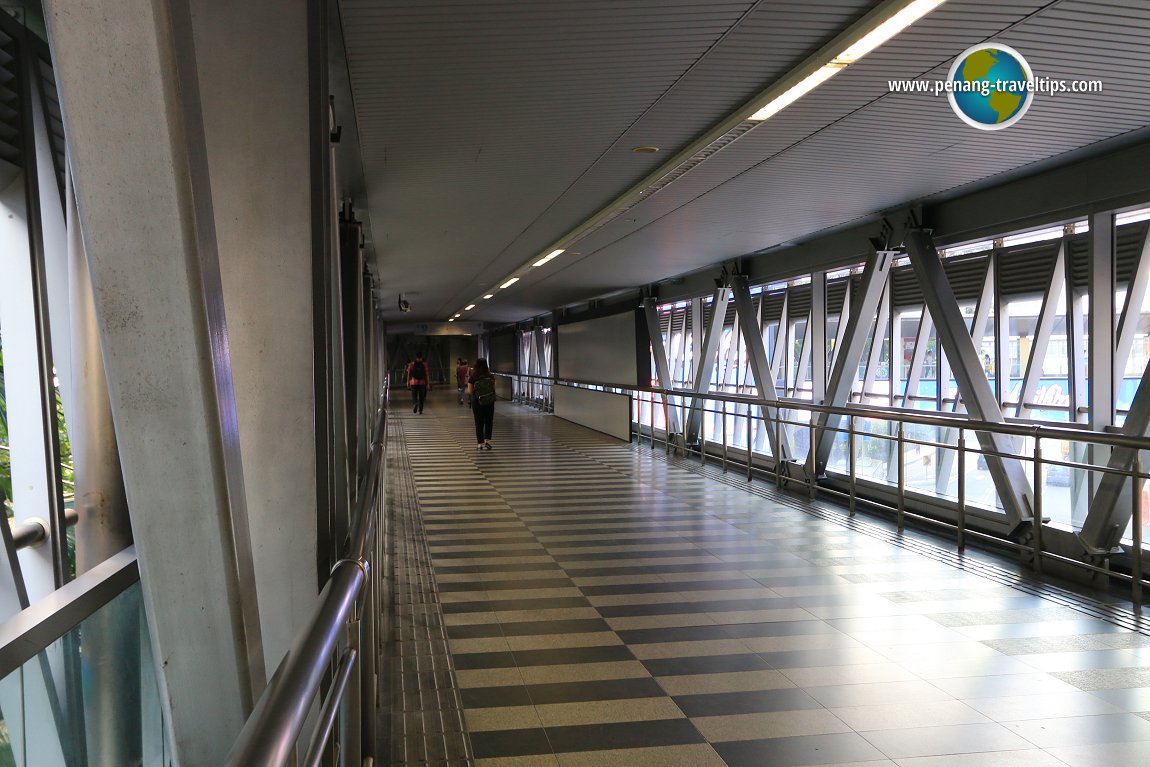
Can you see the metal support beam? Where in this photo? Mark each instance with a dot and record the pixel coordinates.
(706, 359)
(1042, 330)
(1096, 535)
(779, 353)
(817, 327)
(881, 330)
(1111, 509)
(800, 371)
(917, 359)
(978, 325)
(840, 332)
(850, 352)
(757, 361)
(1007, 472)
(662, 368)
(1101, 358)
(1132, 309)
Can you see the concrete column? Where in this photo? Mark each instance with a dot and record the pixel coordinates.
(130, 95)
(252, 67)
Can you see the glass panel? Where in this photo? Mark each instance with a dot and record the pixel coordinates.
(98, 678)
(874, 449)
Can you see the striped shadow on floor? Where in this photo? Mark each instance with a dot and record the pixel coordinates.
(603, 606)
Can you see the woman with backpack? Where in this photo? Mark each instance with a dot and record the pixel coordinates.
(481, 387)
(417, 381)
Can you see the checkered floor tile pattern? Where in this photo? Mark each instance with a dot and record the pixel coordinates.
(603, 606)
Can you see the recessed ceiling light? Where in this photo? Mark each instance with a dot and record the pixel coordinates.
(489, 295)
(451, 319)
(454, 316)
(509, 283)
(469, 307)
(645, 149)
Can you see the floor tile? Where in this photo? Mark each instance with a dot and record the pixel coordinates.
(1083, 730)
(691, 755)
(802, 750)
(774, 724)
(953, 739)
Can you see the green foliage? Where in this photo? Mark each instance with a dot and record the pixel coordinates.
(6, 757)
(66, 470)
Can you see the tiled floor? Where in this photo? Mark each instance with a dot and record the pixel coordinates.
(604, 607)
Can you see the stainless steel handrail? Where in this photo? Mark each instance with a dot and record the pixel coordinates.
(32, 534)
(944, 420)
(270, 735)
(34, 628)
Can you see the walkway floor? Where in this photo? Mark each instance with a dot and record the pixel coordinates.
(606, 607)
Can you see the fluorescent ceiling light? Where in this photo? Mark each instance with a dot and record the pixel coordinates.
(509, 283)
(796, 92)
(489, 295)
(911, 13)
(888, 29)
(451, 319)
(469, 307)
(548, 257)
(454, 316)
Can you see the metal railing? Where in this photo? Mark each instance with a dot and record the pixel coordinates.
(340, 644)
(905, 503)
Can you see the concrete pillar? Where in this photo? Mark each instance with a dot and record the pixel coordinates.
(193, 209)
(253, 76)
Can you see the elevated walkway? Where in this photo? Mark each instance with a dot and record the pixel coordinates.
(588, 602)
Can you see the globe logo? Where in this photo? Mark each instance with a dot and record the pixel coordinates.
(990, 86)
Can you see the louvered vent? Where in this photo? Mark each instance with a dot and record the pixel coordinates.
(1127, 246)
(53, 119)
(773, 306)
(836, 292)
(1027, 269)
(10, 134)
(800, 302)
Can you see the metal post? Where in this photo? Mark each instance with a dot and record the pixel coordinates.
(724, 436)
(778, 441)
(811, 476)
(750, 410)
(1037, 513)
(901, 450)
(351, 715)
(851, 460)
(703, 438)
(1136, 518)
(961, 491)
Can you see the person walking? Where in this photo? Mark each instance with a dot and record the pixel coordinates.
(417, 381)
(462, 374)
(481, 387)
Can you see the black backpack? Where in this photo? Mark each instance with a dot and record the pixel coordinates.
(418, 371)
(483, 390)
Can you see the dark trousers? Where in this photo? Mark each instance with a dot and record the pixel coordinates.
(418, 396)
(484, 416)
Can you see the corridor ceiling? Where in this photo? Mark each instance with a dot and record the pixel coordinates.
(489, 129)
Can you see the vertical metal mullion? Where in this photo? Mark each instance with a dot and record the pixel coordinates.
(1001, 333)
(917, 359)
(779, 352)
(50, 418)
